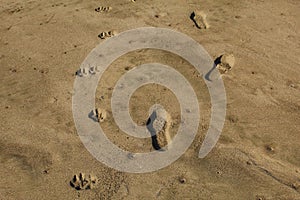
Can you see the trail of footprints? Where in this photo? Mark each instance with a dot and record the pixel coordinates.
(105, 34)
(160, 125)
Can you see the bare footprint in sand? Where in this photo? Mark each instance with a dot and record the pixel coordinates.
(225, 63)
(103, 9)
(83, 182)
(199, 18)
(163, 136)
(107, 34)
(158, 125)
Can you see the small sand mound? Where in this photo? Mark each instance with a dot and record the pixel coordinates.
(83, 182)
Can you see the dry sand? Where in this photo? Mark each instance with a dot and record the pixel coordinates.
(42, 44)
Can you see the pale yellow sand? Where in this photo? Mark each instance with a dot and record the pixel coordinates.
(42, 44)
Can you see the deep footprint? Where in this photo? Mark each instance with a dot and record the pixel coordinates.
(199, 18)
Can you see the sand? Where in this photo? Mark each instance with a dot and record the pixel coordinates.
(43, 43)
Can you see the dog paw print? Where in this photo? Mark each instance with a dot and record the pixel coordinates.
(103, 9)
(83, 182)
(107, 34)
(82, 72)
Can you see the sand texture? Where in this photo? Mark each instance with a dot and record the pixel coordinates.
(43, 43)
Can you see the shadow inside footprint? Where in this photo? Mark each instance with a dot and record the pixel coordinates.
(192, 17)
(155, 143)
(94, 115)
(149, 125)
(153, 132)
(218, 60)
(199, 19)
